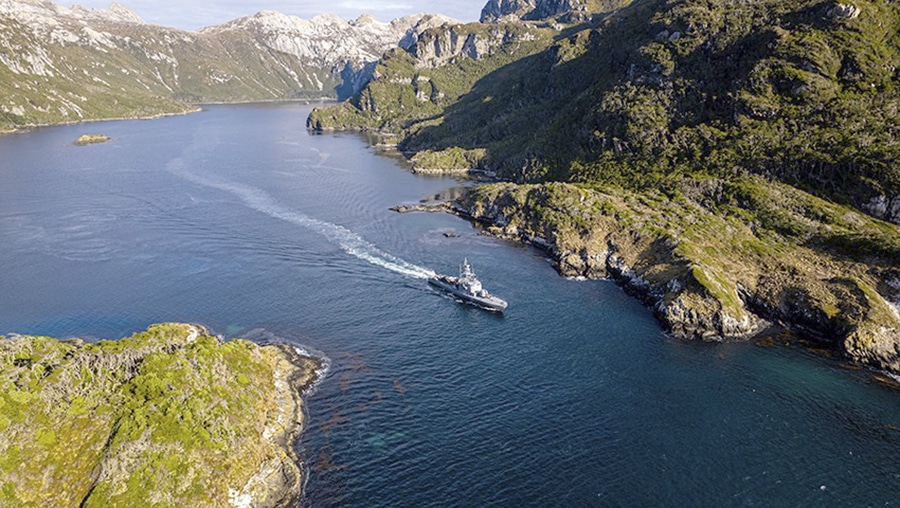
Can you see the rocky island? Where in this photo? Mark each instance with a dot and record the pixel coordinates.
(170, 416)
(90, 139)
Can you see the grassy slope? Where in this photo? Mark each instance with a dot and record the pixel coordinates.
(769, 87)
(726, 145)
(167, 417)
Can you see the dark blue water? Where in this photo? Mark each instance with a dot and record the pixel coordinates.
(238, 219)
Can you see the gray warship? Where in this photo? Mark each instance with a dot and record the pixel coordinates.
(468, 287)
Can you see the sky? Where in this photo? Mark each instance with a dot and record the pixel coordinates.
(194, 14)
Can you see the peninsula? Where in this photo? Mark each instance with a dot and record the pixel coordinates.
(170, 416)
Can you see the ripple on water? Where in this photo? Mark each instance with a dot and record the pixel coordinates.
(573, 397)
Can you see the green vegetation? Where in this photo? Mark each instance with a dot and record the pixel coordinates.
(451, 159)
(167, 417)
(412, 89)
(660, 91)
(718, 158)
(89, 139)
(139, 71)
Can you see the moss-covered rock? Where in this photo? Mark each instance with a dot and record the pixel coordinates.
(90, 139)
(167, 417)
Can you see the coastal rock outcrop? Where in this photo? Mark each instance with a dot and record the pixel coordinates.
(684, 296)
(170, 416)
(844, 11)
(709, 277)
(90, 139)
(884, 208)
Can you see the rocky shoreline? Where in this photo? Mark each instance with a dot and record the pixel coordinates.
(84, 121)
(722, 281)
(172, 415)
(278, 483)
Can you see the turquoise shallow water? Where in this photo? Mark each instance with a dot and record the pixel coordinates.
(238, 219)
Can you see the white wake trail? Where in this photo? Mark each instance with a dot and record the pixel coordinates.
(348, 241)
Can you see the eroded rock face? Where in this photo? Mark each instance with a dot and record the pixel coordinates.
(694, 320)
(550, 8)
(884, 208)
(878, 346)
(506, 10)
(438, 47)
(843, 11)
(567, 11)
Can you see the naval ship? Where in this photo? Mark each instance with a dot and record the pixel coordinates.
(468, 287)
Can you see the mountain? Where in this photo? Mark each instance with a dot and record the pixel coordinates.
(412, 86)
(731, 163)
(72, 64)
(566, 11)
(330, 49)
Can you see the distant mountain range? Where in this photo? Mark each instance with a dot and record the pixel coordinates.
(61, 64)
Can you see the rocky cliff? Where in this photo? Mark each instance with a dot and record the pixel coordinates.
(414, 84)
(566, 11)
(170, 416)
(61, 65)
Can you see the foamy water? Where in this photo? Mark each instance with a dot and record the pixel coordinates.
(347, 240)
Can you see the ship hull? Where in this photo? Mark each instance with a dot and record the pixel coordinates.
(490, 303)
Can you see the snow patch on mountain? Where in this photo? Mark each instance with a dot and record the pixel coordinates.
(327, 39)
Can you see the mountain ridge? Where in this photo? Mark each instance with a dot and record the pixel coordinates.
(61, 64)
